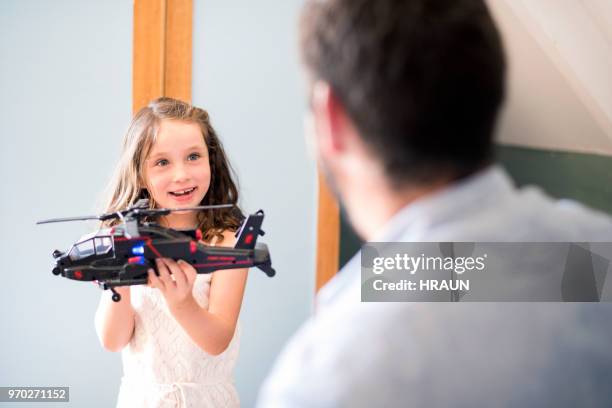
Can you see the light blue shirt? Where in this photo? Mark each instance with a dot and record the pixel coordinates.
(354, 354)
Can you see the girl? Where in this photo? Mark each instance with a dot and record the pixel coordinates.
(179, 333)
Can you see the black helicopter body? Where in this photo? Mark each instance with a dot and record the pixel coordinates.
(122, 255)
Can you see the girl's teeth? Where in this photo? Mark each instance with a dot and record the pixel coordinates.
(183, 192)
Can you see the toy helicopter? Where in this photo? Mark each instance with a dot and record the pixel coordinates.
(121, 255)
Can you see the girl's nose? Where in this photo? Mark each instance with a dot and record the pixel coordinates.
(180, 173)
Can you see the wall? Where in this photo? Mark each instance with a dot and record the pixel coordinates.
(560, 87)
(65, 75)
(555, 130)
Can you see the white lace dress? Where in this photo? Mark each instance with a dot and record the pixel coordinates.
(163, 367)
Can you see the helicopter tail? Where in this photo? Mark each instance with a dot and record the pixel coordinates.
(250, 231)
(262, 259)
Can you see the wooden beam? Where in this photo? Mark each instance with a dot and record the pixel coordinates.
(148, 51)
(179, 29)
(162, 50)
(328, 235)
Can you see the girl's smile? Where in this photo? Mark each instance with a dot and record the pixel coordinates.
(183, 196)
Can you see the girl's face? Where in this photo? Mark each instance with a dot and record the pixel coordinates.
(177, 170)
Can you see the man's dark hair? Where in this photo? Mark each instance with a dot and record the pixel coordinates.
(422, 80)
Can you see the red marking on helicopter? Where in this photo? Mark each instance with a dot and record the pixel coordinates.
(221, 258)
(78, 274)
(135, 259)
(150, 245)
(248, 239)
(131, 239)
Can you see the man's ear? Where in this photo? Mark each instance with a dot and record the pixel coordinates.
(329, 119)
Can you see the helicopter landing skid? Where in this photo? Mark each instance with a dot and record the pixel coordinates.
(111, 285)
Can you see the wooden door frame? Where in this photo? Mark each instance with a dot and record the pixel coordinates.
(162, 50)
(328, 235)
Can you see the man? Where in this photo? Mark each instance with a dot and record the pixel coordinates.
(404, 100)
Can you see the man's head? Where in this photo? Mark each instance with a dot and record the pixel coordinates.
(412, 87)
(420, 81)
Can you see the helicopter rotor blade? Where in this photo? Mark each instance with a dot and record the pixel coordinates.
(165, 211)
(108, 216)
(83, 218)
(203, 207)
(135, 211)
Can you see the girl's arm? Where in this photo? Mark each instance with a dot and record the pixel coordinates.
(115, 320)
(212, 329)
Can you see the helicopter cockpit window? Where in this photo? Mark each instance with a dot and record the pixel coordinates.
(103, 245)
(82, 250)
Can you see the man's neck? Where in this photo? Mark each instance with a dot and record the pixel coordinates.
(372, 205)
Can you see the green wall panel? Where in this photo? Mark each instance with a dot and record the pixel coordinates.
(583, 177)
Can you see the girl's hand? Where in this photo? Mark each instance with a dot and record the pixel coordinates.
(175, 281)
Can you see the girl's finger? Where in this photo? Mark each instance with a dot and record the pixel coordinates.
(154, 281)
(164, 274)
(189, 270)
(177, 272)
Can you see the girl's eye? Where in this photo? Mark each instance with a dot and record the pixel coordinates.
(162, 162)
(194, 156)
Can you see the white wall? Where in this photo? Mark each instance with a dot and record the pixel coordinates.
(65, 75)
(559, 81)
(246, 74)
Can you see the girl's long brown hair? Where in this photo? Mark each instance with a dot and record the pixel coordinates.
(126, 185)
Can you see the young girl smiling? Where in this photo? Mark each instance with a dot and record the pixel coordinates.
(179, 333)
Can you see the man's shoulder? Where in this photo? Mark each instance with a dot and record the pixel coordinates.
(526, 215)
(559, 219)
